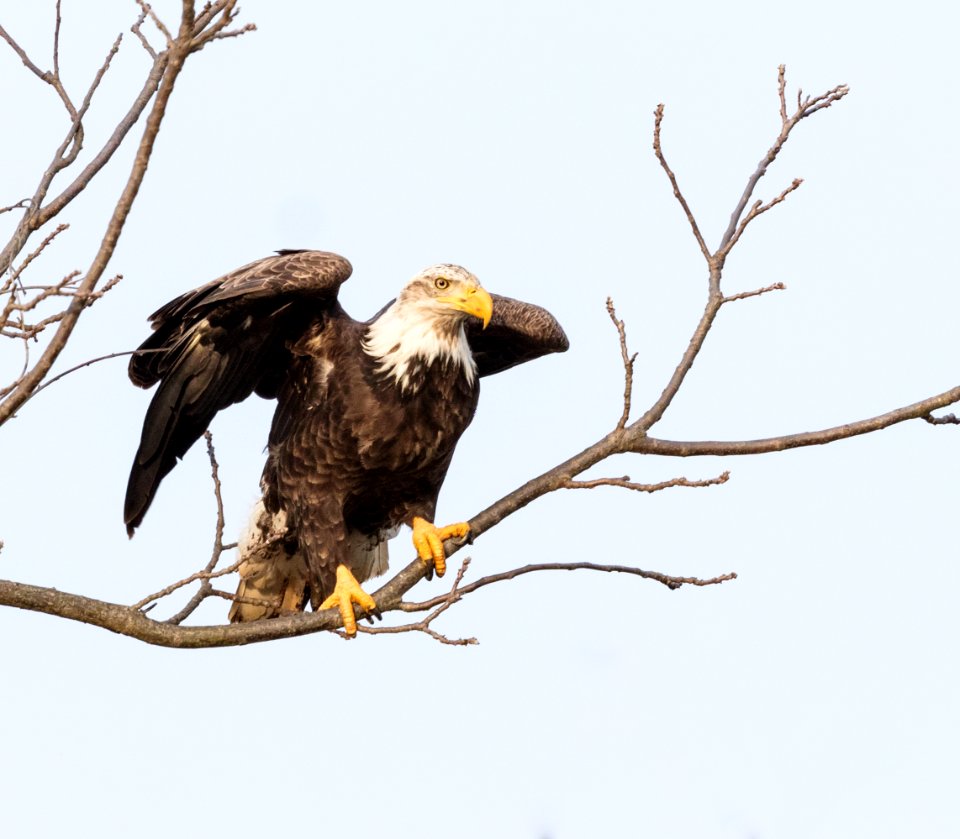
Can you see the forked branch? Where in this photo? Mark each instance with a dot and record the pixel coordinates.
(40, 209)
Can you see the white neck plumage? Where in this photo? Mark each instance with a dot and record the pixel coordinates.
(411, 333)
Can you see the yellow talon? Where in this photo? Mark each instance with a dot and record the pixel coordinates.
(346, 592)
(428, 540)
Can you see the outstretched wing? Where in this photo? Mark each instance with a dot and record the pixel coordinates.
(216, 345)
(517, 332)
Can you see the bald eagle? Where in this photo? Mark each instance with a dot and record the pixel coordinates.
(368, 413)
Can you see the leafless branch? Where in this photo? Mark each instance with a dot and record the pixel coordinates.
(205, 576)
(147, 11)
(15, 274)
(208, 573)
(672, 583)
(137, 29)
(628, 361)
(743, 295)
(759, 208)
(626, 483)
(658, 151)
(782, 91)
(440, 606)
(22, 204)
(946, 419)
(88, 362)
(22, 55)
(236, 33)
(157, 88)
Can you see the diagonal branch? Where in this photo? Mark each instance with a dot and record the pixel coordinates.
(743, 295)
(759, 208)
(656, 411)
(658, 151)
(628, 361)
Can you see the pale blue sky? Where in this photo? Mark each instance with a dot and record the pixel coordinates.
(816, 696)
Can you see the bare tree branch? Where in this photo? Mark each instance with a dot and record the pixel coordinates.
(147, 11)
(22, 204)
(628, 361)
(208, 573)
(658, 151)
(626, 483)
(743, 295)
(440, 606)
(759, 208)
(805, 108)
(946, 419)
(158, 87)
(918, 410)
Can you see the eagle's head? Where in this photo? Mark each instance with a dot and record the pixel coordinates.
(424, 325)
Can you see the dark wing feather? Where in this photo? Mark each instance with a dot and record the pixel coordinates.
(517, 332)
(214, 346)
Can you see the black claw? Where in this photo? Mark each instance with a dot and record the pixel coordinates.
(469, 537)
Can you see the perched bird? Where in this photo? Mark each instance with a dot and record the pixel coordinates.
(368, 413)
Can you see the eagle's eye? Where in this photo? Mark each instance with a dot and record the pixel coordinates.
(441, 283)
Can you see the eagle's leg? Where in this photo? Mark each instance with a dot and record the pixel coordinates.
(346, 592)
(428, 540)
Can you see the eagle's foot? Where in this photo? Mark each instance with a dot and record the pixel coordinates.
(428, 540)
(346, 592)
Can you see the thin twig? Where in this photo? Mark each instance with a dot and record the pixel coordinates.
(179, 584)
(206, 589)
(626, 483)
(56, 43)
(759, 208)
(74, 369)
(147, 10)
(217, 494)
(440, 605)
(24, 58)
(673, 583)
(41, 368)
(782, 92)
(15, 274)
(22, 204)
(658, 151)
(137, 29)
(235, 33)
(628, 361)
(743, 295)
(946, 419)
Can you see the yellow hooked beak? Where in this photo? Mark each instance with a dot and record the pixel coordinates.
(474, 301)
